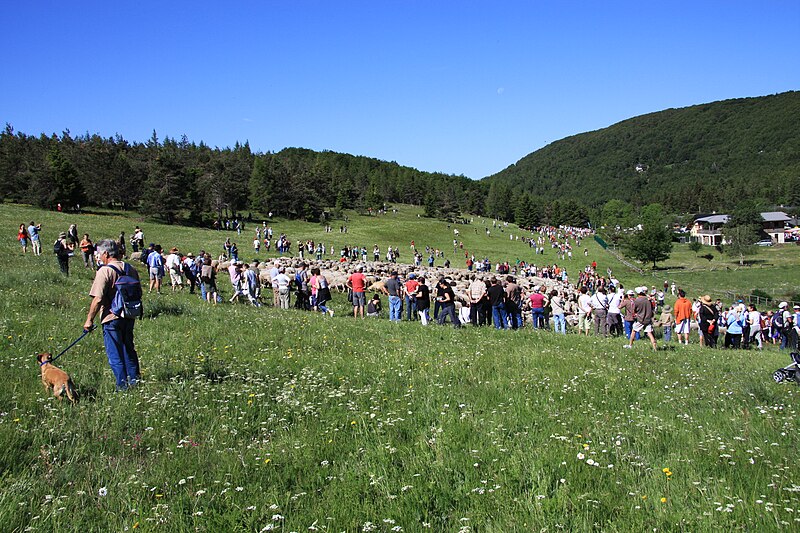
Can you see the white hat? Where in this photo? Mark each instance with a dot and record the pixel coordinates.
(783, 305)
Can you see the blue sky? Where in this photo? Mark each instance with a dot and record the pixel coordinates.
(456, 87)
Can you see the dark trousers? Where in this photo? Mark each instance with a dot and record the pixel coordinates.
(448, 310)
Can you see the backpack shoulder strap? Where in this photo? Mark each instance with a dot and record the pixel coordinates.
(115, 269)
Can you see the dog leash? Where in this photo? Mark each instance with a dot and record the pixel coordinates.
(85, 332)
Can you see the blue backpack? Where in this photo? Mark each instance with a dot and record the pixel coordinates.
(127, 300)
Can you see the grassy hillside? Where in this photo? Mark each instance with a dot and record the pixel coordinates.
(255, 419)
(694, 159)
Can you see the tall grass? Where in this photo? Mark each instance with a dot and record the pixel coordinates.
(256, 419)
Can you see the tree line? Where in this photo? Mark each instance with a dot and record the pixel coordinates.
(180, 181)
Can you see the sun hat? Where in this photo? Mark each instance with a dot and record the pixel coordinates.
(783, 305)
(173, 250)
(630, 292)
(706, 299)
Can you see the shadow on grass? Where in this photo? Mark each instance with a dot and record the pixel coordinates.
(159, 308)
(212, 371)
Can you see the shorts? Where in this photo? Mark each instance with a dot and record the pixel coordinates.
(584, 321)
(359, 299)
(685, 326)
(638, 327)
(175, 278)
(156, 273)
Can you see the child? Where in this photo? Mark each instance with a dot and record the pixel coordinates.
(667, 321)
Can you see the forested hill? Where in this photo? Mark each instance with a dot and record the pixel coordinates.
(180, 181)
(695, 159)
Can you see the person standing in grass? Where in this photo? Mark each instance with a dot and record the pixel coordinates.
(667, 322)
(557, 306)
(22, 237)
(356, 282)
(36, 243)
(447, 298)
(584, 311)
(599, 303)
(155, 265)
(643, 318)
(513, 302)
(683, 317)
(63, 249)
(117, 331)
(87, 250)
(754, 318)
(477, 300)
(283, 283)
(497, 298)
(537, 304)
(174, 268)
(410, 299)
(423, 297)
(394, 289)
(708, 320)
(208, 276)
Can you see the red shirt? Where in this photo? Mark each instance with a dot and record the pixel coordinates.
(411, 286)
(357, 281)
(537, 300)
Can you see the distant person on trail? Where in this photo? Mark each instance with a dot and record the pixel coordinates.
(643, 318)
(683, 317)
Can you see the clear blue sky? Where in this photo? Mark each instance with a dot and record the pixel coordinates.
(457, 87)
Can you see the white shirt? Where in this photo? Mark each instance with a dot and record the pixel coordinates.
(583, 303)
(283, 281)
(613, 303)
(174, 262)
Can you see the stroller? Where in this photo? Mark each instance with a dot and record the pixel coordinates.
(790, 372)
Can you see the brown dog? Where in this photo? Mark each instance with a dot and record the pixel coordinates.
(56, 378)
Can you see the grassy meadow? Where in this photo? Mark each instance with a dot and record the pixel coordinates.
(256, 419)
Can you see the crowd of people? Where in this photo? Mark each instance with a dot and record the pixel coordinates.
(591, 303)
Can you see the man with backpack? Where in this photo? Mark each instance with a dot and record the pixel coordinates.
(117, 296)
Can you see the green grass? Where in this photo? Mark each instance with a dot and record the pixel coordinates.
(251, 417)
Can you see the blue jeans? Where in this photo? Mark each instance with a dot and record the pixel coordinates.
(537, 316)
(411, 308)
(628, 325)
(395, 308)
(561, 324)
(122, 358)
(667, 333)
(499, 316)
